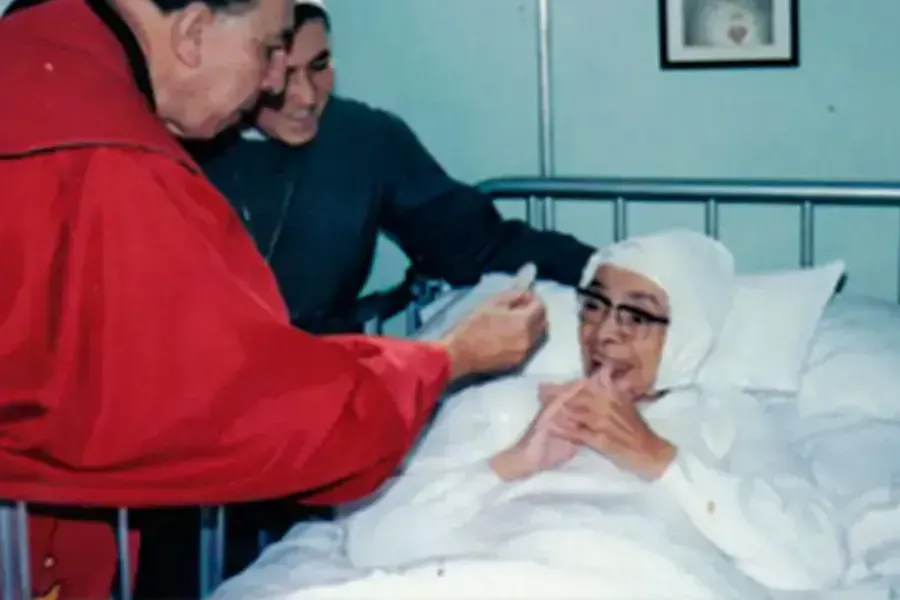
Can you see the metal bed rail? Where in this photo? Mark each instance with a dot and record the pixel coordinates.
(712, 193)
(540, 195)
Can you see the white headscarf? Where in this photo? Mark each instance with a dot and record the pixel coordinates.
(697, 273)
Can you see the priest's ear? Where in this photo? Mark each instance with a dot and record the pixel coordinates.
(189, 27)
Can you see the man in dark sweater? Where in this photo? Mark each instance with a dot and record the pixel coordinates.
(325, 174)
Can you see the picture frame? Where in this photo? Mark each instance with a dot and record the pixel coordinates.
(716, 34)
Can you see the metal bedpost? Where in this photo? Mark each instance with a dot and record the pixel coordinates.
(24, 553)
(212, 548)
(545, 108)
(15, 556)
(898, 263)
(9, 572)
(807, 234)
(711, 215)
(124, 556)
(371, 327)
(412, 317)
(219, 573)
(532, 214)
(620, 219)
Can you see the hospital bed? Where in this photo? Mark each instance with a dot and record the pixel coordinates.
(433, 303)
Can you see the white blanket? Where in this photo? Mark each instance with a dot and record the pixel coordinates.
(310, 564)
(737, 516)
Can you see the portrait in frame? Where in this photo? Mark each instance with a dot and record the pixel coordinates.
(696, 34)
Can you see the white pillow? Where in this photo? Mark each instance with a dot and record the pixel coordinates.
(559, 356)
(854, 363)
(767, 336)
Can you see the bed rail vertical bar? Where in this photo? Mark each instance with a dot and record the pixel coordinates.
(24, 551)
(807, 234)
(411, 313)
(711, 218)
(219, 570)
(205, 559)
(370, 327)
(533, 212)
(548, 214)
(9, 573)
(620, 219)
(898, 263)
(212, 548)
(124, 558)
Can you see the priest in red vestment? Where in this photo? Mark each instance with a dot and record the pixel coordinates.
(146, 357)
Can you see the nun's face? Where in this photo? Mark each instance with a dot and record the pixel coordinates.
(623, 323)
(293, 117)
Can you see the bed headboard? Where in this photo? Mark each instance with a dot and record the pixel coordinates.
(827, 215)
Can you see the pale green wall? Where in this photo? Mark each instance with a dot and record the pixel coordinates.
(464, 75)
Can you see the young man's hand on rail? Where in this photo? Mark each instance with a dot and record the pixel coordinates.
(498, 336)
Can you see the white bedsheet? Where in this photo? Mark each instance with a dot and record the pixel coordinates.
(852, 461)
(732, 509)
(855, 461)
(312, 563)
(553, 532)
(307, 565)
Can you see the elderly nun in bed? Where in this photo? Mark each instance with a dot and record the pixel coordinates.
(632, 471)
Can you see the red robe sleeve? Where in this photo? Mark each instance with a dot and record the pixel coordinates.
(147, 357)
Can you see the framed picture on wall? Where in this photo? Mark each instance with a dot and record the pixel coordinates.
(698, 34)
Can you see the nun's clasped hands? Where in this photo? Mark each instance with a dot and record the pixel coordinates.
(607, 420)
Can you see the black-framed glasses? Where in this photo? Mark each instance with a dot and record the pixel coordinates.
(633, 322)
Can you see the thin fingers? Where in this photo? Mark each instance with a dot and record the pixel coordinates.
(546, 396)
(589, 419)
(619, 387)
(564, 426)
(564, 420)
(576, 435)
(551, 411)
(582, 417)
(622, 424)
(547, 392)
(604, 378)
(603, 440)
(551, 388)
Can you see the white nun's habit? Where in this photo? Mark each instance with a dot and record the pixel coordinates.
(697, 273)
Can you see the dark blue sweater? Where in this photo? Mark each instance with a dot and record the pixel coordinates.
(315, 212)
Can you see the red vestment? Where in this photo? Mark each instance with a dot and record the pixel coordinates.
(146, 358)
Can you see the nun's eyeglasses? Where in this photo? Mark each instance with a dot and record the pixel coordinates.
(633, 322)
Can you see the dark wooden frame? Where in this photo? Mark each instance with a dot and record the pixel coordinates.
(668, 64)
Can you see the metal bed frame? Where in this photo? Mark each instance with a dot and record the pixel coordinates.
(540, 195)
